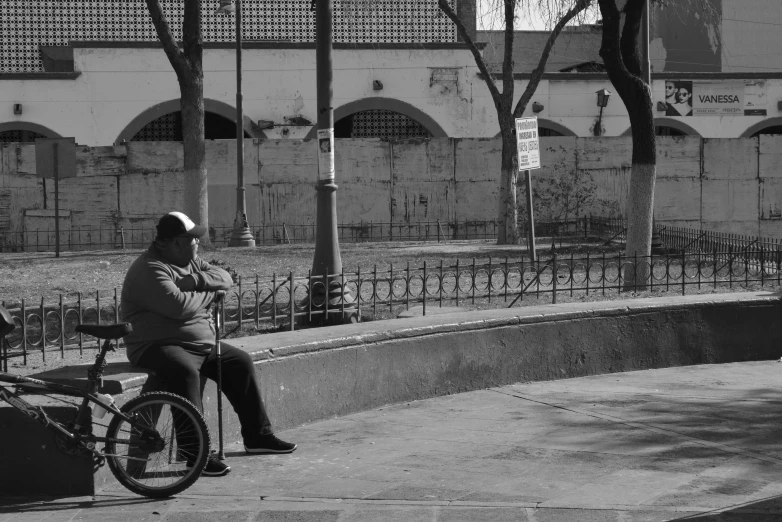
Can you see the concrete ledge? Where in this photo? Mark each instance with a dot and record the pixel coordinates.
(309, 375)
(315, 374)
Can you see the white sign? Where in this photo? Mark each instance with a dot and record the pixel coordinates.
(527, 144)
(326, 154)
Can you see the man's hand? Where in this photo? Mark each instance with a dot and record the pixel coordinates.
(187, 283)
(219, 295)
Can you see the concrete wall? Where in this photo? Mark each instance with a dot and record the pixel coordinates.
(728, 185)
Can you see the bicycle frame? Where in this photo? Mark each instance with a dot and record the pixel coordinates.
(38, 414)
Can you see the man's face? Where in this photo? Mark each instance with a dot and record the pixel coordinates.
(683, 95)
(186, 248)
(670, 89)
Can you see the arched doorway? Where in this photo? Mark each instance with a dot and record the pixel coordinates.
(382, 117)
(668, 127)
(379, 123)
(169, 128)
(165, 117)
(663, 130)
(24, 132)
(769, 126)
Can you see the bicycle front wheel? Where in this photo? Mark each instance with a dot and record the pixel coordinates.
(162, 450)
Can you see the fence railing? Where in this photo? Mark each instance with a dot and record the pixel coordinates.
(81, 239)
(298, 299)
(687, 239)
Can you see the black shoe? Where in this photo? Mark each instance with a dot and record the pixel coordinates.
(266, 444)
(214, 466)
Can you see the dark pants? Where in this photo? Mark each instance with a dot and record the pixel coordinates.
(181, 370)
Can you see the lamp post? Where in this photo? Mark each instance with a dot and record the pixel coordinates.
(646, 70)
(602, 101)
(240, 235)
(327, 261)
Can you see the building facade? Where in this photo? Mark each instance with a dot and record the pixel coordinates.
(94, 70)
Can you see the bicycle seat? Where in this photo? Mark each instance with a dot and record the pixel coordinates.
(105, 331)
(6, 322)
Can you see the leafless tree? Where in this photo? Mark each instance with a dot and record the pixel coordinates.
(187, 63)
(621, 55)
(559, 11)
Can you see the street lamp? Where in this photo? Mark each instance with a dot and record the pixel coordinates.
(240, 235)
(602, 101)
(327, 261)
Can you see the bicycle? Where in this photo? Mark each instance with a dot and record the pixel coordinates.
(156, 445)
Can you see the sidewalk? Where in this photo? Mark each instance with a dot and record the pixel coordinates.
(690, 443)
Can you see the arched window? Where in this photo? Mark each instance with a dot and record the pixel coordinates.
(775, 129)
(379, 123)
(544, 132)
(663, 130)
(169, 128)
(20, 136)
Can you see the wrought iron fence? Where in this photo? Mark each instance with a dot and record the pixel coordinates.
(686, 239)
(295, 300)
(82, 239)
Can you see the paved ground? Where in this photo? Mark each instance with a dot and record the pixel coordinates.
(694, 443)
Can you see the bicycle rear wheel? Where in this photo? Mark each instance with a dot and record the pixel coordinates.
(163, 450)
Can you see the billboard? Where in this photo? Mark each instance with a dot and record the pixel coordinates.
(715, 98)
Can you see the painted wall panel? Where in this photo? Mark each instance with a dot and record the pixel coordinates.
(149, 196)
(677, 199)
(770, 156)
(101, 161)
(148, 157)
(730, 159)
(730, 200)
(678, 157)
(443, 180)
(287, 161)
(604, 153)
(362, 161)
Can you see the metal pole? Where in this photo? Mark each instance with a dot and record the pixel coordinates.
(56, 201)
(646, 71)
(327, 258)
(530, 217)
(241, 235)
(219, 350)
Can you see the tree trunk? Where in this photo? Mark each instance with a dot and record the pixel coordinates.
(620, 53)
(196, 201)
(640, 206)
(188, 66)
(508, 209)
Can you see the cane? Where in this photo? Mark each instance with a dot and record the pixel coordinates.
(218, 298)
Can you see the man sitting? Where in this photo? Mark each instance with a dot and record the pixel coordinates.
(166, 297)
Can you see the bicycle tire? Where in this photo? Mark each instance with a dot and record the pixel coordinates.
(165, 471)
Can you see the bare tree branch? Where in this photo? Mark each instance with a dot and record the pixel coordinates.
(631, 54)
(172, 50)
(192, 38)
(495, 93)
(537, 73)
(508, 82)
(609, 46)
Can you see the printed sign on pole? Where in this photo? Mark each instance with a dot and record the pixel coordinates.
(527, 143)
(326, 154)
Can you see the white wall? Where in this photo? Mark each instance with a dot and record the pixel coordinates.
(118, 84)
